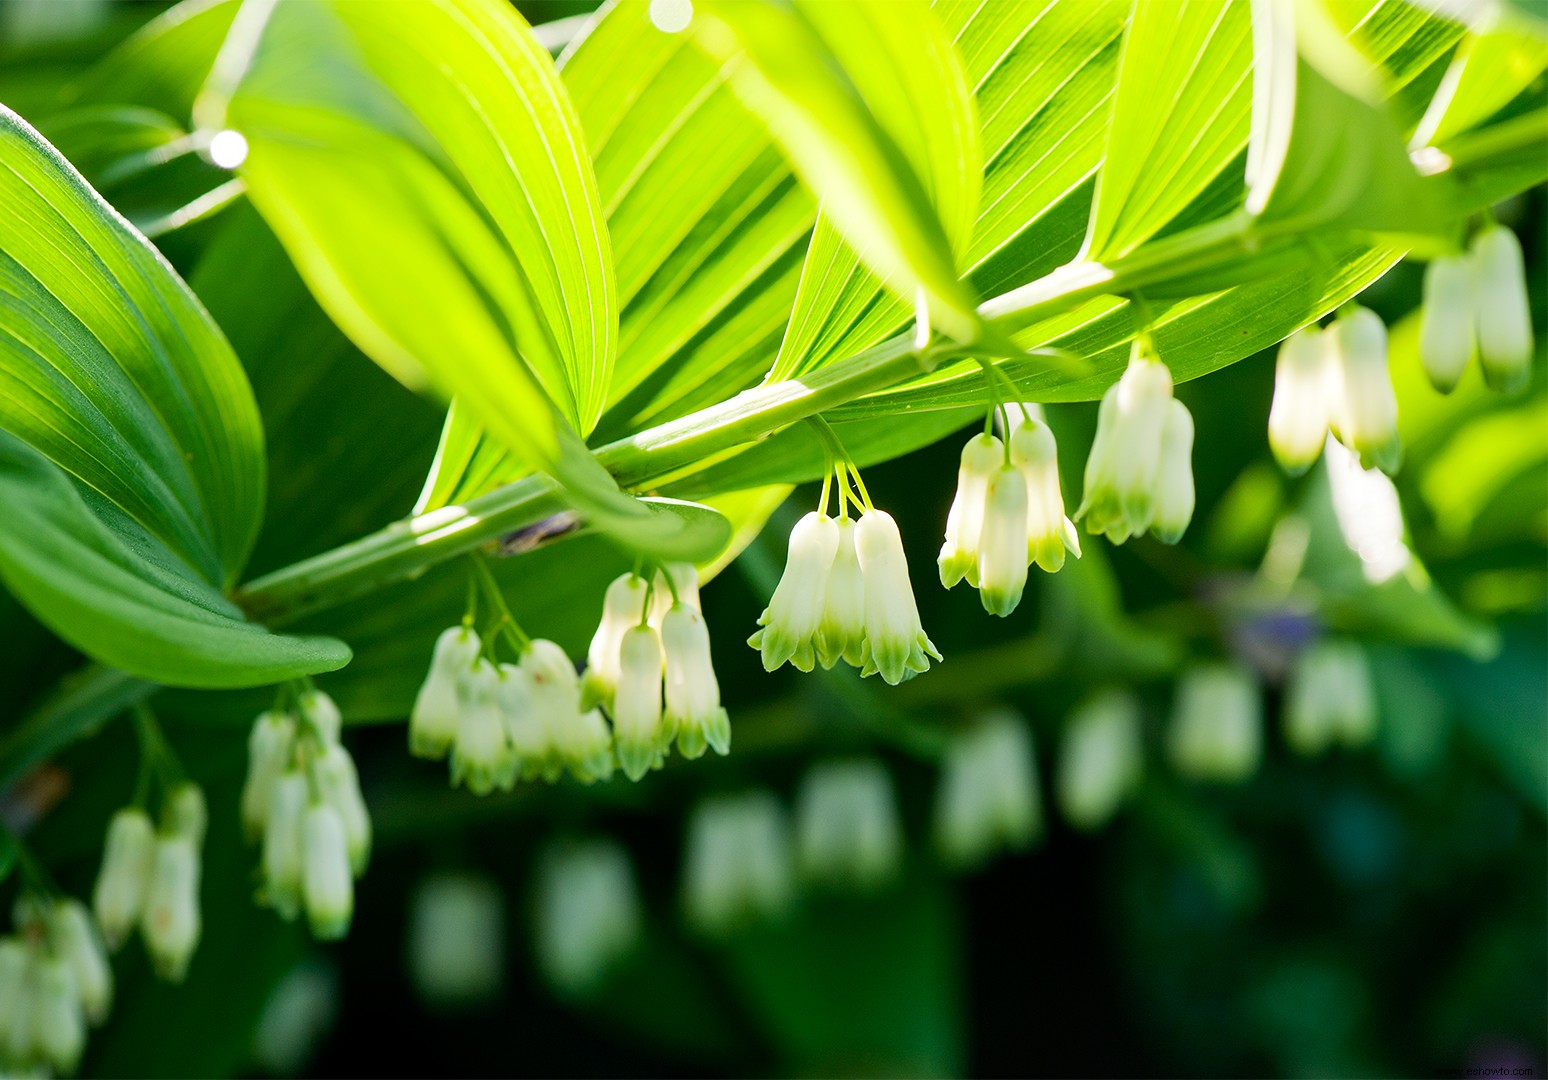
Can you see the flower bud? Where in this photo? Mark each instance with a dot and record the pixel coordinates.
(282, 843)
(1049, 532)
(1126, 452)
(1504, 310)
(737, 864)
(327, 884)
(535, 752)
(623, 605)
(482, 757)
(1173, 506)
(1365, 419)
(1217, 723)
(588, 912)
(127, 857)
(338, 783)
(639, 736)
(269, 749)
(171, 925)
(847, 831)
(795, 610)
(1101, 760)
(841, 631)
(59, 1025)
(964, 522)
(693, 707)
(896, 644)
(1303, 396)
(433, 720)
(1330, 698)
(1446, 320)
(988, 795)
(1002, 564)
(581, 739)
(321, 715)
(184, 812)
(78, 944)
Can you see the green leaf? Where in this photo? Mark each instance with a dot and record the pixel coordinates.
(811, 72)
(918, 93)
(163, 64)
(132, 607)
(1499, 59)
(1181, 111)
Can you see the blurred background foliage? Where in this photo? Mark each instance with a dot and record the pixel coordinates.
(1370, 910)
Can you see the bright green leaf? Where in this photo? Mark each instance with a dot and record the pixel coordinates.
(1496, 61)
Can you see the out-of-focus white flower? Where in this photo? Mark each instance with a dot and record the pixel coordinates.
(640, 738)
(693, 708)
(127, 858)
(959, 555)
(588, 912)
(1446, 320)
(300, 1010)
(1217, 723)
(456, 939)
(171, 925)
(1303, 399)
(841, 631)
(1330, 698)
(1505, 344)
(482, 757)
(580, 737)
(988, 796)
(270, 746)
(328, 885)
(790, 622)
(184, 812)
(847, 831)
(1002, 556)
(1050, 533)
(59, 1025)
(737, 866)
(1365, 416)
(1125, 455)
(1102, 759)
(1369, 515)
(18, 991)
(623, 606)
(536, 753)
(896, 644)
(433, 719)
(319, 713)
(75, 938)
(338, 783)
(1173, 503)
(283, 843)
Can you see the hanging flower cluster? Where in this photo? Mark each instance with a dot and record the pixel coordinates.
(1139, 475)
(302, 800)
(150, 879)
(1478, 299)
(1336, 379)
(54, 981)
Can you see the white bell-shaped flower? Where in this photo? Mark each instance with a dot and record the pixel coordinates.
(693, 708)
(282, 843)
(737, 865)
(1173, 505)
(1126, 452)
(1101, 760)
(433, 719)
(988, 797)
(75, 938)
(320, 715)
(1217, 723)
(896, 644)
(1446, 320)
(184, 812)
(588, 912)
(623, 606)
(640, 737)
(1365, 416)
(1050, 532)
(841, 630)
(482, 757)
(327, 884)
(580, 738)
(1330, 698)
(847, 831)
(119, 898)
(959, 555)
(270, 746)
(59, 1024)
(171, 925)
(536, 754)
(338, 783)
(1002, 554)
(1303, 396)
(1504, 309)
(790, 622)
(18, 985)
(683, 587)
